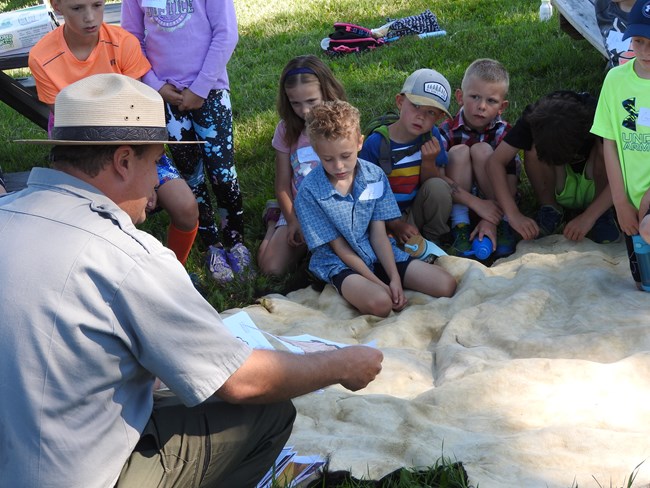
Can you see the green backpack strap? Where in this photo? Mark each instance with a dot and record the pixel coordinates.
(386, 156)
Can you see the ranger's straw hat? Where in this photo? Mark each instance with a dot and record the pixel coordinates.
(108, 109)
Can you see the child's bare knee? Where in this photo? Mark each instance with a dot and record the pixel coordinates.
(480, 152)
(380, 305)
(448, 285)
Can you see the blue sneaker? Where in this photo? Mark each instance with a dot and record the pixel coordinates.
(549, 220)
(239, 258)
(605, 229)
(506, 241)
(217, 262)
(461, 245)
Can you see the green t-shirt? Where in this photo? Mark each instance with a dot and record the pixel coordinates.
(623, 115)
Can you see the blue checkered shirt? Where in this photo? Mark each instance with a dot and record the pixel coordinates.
(325, 215)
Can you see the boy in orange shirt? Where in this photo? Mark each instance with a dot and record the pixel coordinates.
(84, 46)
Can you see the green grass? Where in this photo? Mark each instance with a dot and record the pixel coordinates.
(539, 57)
(444, 473)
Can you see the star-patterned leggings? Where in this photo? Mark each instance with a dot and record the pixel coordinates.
(211, 123)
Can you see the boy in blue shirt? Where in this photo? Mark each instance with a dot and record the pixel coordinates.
(342, 206)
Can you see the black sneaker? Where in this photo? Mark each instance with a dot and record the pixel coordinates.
(549, 220)
(506, 240)
(605, 229)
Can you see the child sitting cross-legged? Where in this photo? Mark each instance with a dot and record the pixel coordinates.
(342, 206)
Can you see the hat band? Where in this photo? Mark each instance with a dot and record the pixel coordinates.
(110, 134)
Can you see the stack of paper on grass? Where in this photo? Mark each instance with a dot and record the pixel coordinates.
(535, 374)
(290, 469)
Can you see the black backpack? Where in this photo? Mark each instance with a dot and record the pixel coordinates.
(386, 156)
(351, 38)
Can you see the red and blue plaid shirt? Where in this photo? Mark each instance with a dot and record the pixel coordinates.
(455, 131)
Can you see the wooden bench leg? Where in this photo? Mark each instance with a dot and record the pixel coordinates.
(23, 101)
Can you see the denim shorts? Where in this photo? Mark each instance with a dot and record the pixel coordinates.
(166, 170)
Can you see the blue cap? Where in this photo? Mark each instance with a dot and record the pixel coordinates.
(638, 22)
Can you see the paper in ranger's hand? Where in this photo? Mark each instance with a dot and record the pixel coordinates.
(242, 326)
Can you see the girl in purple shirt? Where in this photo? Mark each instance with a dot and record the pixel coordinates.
(189, 45)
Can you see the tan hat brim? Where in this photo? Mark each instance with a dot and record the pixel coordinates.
(427, 102)
(58, 142)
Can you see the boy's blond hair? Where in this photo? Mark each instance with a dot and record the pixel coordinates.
(488, 71)
(333, 120)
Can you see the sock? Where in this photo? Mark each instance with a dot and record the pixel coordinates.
(459, 214)
(180, 241)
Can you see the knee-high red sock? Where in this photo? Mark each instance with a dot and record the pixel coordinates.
(180, 241)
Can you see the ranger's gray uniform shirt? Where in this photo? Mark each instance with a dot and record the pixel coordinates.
(91, 310)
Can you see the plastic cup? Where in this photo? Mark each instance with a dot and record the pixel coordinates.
(482, 248)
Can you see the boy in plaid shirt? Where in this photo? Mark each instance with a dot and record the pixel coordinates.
(469, 139)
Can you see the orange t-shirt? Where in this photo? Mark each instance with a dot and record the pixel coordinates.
(54, 66)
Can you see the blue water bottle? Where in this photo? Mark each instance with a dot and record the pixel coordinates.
(642, 251)
(482, 248)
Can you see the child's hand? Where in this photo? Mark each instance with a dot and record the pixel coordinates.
(628, 218)
(485, 228)
(430, 150)
(294, 236)
(525, 226)
(489, 210)
(403, 231)
(397, 294)
(171, 94)
(152, 203)
(191, 101)
(576, 229)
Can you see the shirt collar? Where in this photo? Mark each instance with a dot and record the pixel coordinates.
(55, 180)
(459, 122)
(325, 189)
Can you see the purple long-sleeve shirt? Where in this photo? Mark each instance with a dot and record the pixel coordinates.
(188, 44)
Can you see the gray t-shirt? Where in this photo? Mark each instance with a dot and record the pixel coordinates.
(92, 309)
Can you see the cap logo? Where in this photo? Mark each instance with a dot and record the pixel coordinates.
(436, 89)
(646, 10)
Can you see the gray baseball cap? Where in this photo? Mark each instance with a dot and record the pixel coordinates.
(428, 87)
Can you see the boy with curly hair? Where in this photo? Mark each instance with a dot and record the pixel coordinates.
(342, 206)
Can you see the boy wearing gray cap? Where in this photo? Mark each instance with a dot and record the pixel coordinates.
(423, 192)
